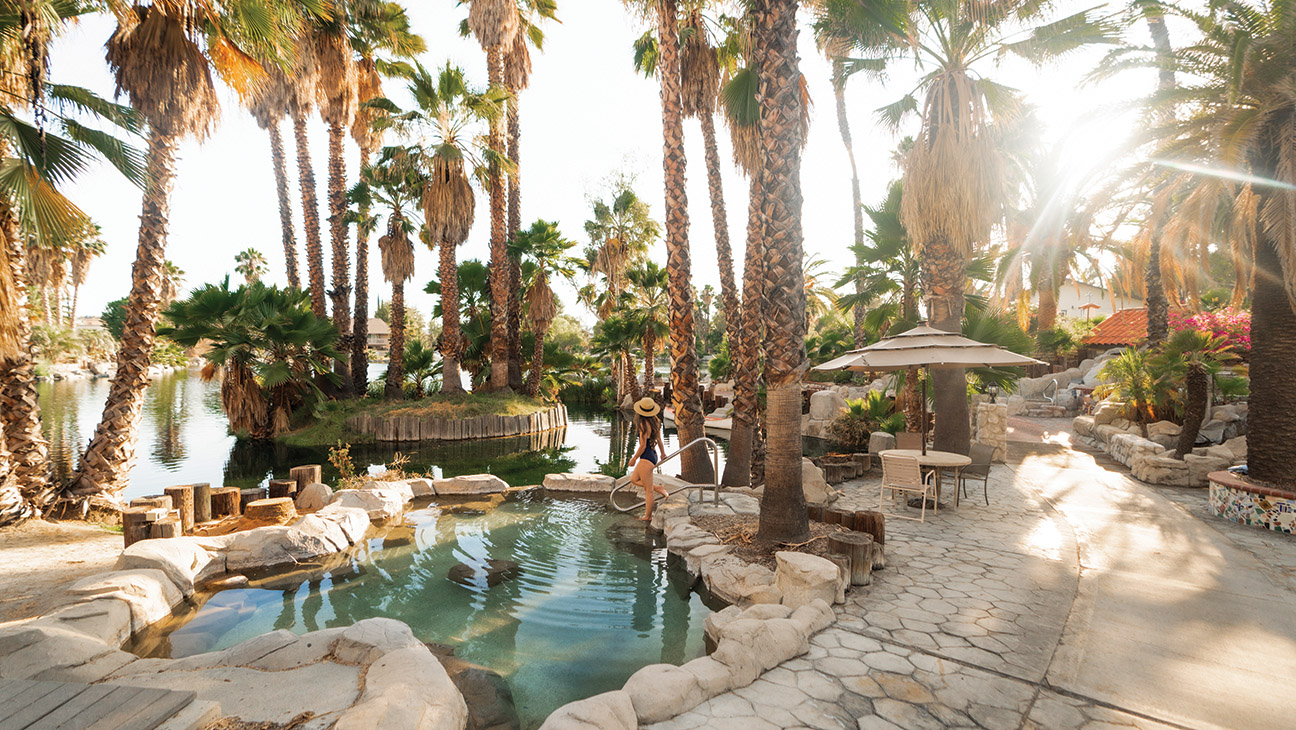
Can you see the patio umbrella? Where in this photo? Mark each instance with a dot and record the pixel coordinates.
(927, 348)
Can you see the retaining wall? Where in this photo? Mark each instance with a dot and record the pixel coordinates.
(405, 427)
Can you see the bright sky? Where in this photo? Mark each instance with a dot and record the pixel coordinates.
(586, 115)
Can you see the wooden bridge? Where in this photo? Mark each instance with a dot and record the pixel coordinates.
(27, 704)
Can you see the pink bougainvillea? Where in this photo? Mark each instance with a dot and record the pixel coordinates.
(1233, 324)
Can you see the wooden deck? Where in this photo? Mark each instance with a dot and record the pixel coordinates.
(30, 705)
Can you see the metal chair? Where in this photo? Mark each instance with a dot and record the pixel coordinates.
(903, 474)
(981, 455)
(907, 440)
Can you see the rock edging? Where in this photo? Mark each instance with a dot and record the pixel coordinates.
(1149, 459)
(418, 428)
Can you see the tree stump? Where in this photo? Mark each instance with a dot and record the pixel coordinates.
(863, 462)
(843, 517)
(280, 488)
(843, 574)
(250, 495)
(202, 502)
(306, 476)
(815, 512)
(137, 521)
(277, 510)
(874, 523)
(225, 501)
(859, 547)
(161, 501)
(182, 498)
(170, 526)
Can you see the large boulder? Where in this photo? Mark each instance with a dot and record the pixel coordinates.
(406, 689)
(802, 578)
(353, 521)
(57, 654)
(599, 483)
(400, 487)
(1106, 412)
(1200, 466)
(314, 497)
(825, 405)
(185, 561)
(1163, 428)
(148, 593)
(1213, 431)
(738, 582)
(421, 487)
(662, 691)
(608, 711)
(1238, 447)
(309, 537)
(103, 619)
(1164, 470)
(880, 441)
(470, 484)
(379, 504)
(814, 485)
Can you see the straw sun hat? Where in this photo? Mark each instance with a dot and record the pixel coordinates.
(647, 407)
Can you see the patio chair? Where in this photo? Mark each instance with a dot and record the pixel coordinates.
(907, 440)
(903, 474)
(979, 469)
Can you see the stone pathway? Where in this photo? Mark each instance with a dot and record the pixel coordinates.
(1078, 599)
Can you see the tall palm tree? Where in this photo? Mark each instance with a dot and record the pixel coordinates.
(545, 248)
(616, 337)
(620, 234)
(646, 304)
(305, 76)
(783, 515)
(87, 246)
(160, 58)
(1154, 297)
(453, 116)
(495, 24)
(820, 296)
(269, 105)
(953, 172)
(250, 264)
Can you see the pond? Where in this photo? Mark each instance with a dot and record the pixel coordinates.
(183, 439)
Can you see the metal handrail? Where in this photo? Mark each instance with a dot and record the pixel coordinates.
(715, 465)
(1051, 398)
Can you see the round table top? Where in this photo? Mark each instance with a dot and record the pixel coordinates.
(932, 457)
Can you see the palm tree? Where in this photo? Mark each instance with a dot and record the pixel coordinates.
(646, 304)
(159, 63)
(953, 172)
(305, 76)
(251, 265)
(820, 296)
(495, 24)
(453, 115)
(419, 363)
(87, 246)
(1188, 363)
(616, 338)
(268, 105)
(1155, 298)
(546, 249)
(620, 234)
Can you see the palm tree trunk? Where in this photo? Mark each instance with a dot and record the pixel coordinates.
(341, 292)
(694, 465)
(857, 202)
(44, 290)
(1196, 393)
(395, 389)
(451, 382)
(720, 224)
(20, 422)
(627, 372)
(744, 351)
(310, 217)
(649, 354)
(783, 510)
(13, 507)
(946, 273)
(360, 326)
(1046, 317)
(76, 293)
(514, 225)
(499, 259)
(107, 462)
(537, 362)
(1158, 309)
(285, 206)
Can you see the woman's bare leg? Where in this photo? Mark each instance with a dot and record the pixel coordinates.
(644, 472)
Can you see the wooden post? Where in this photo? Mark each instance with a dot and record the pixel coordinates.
(815, 512)
(167, 527)
(202, 502)
(225, 502)
(859, 547)
(306, 475)
(874, 523)
(276, 509)
(136, 522)
(281, 488)
(250, 495)
(182, 497)
(161, 501)
(843, 574)
(843, 517)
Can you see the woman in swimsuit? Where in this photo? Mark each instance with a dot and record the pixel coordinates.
(648, 426)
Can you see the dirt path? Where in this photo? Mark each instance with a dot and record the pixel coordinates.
(38, 558)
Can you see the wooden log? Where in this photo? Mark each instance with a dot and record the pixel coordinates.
(182, 498)
(843, 572)
(169, 527)
(202, 502)
(862, 461)
(135, 524)
(306, 475)
(874, 523)
(815, 512)
(275, 509)
(225, 501)
(837, 516)
(250, 495)
(859, 547)
(281, 488)
(161, 501)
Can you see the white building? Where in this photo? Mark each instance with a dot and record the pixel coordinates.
(1075, 295)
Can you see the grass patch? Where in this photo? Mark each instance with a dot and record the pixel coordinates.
(330, 426)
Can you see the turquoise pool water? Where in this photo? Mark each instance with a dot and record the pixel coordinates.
(590, 602)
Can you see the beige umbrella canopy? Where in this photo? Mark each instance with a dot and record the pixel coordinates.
(926, 347)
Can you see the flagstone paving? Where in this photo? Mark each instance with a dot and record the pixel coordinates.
(1078, 599)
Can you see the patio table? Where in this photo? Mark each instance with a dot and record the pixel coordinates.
(938, 460)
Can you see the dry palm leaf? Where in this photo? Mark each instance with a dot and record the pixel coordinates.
(336, 90)
(165, 74)
(699, 69)
(517, 63)
(10, 342)
(541, 303)
(369, 86)
(269, 102)
(448, 201)
(397, 252)
(494, 22)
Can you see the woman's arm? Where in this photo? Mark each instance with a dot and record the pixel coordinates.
(661, 445)
(643, 443)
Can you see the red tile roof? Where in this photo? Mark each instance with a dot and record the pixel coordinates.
(1126, 327)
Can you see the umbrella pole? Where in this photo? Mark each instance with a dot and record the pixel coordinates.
(922, 399)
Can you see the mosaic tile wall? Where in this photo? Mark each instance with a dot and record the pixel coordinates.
(1249, 508)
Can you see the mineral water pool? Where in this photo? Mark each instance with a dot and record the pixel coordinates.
(563, 598)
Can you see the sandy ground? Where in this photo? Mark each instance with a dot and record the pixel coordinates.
(38, 558)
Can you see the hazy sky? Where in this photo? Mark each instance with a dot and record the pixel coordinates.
(586, 115)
